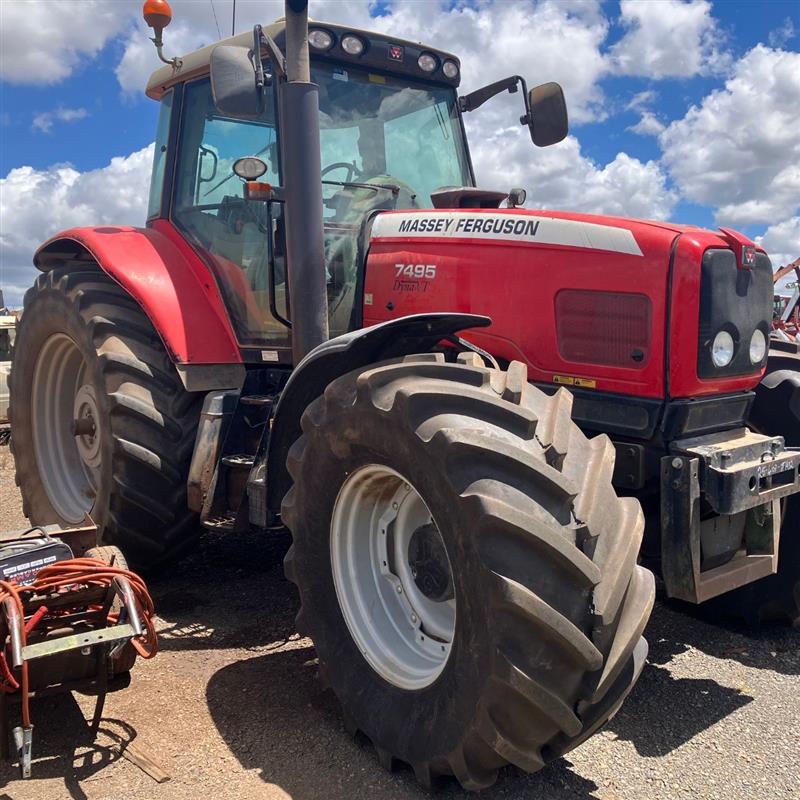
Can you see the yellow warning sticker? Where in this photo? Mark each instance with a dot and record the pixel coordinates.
(570, 380)
(376, 78)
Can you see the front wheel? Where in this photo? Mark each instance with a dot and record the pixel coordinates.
(465, 569)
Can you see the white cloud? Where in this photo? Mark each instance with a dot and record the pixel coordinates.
(34, 204)
(44, 42)
(542, 41)
(668, 39)
(44, 122)
(641, 100)
(648, 125)
(561, 177)
(739, 150)
(781, 36)
(782, 242)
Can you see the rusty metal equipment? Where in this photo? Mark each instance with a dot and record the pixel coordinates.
(66, 623)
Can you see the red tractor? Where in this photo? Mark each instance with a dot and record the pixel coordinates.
(299, 337)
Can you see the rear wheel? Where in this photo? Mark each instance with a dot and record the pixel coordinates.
(102, 424)
(465, 569)
(776, 412)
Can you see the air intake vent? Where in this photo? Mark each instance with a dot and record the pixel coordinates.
(608, 328)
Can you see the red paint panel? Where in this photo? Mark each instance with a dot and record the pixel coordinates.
(164, 275)
(516, 284)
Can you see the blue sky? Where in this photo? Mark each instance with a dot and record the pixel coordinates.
(681, 109)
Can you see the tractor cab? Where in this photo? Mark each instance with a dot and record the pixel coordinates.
(391, 135)
(391, 138)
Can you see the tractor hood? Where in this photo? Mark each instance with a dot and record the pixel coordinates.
(584, 300)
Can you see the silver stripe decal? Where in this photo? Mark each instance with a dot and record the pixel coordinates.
(505, 227)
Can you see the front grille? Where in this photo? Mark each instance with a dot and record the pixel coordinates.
(736, 300)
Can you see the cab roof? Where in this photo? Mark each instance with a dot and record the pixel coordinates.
(376, 56)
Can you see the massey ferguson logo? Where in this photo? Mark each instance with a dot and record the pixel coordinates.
(395, 52)
(506, 227)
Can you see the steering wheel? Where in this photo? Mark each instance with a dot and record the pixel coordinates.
(350, 167)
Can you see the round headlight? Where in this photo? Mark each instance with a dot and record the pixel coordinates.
(427, 62)
(722, 349)
(758, 347)
(320, 40)
(450, 69)
(352, 45)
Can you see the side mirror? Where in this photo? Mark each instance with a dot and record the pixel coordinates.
(234, 82)
(547, 117)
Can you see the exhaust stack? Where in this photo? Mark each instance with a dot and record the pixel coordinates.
(301, 169)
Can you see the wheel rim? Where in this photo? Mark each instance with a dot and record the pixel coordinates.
(393, 577)
(66, 433)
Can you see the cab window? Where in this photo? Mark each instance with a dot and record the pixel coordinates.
(235, 234)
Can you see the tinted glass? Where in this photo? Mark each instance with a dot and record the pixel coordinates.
(386, 143)
(160, 156)
(211, 209)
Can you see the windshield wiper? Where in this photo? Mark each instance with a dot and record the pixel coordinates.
(389, 187)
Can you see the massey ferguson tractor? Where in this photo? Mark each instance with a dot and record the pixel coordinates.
(325, 325)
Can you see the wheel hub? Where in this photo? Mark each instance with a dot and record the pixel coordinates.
(393, 577)
(84, 425)
(429, 564)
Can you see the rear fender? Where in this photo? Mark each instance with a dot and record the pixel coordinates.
(171, 284)
(419, 333)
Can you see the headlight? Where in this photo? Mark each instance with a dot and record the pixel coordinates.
(320, 40)
(722, 349)
(352, 45)
(758, 347)
(450, 69)
(427, 62)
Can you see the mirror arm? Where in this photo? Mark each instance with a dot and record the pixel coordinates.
(276, 56)
(477, 98)
(527, 117)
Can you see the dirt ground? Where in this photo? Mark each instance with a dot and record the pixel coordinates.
(231, 707)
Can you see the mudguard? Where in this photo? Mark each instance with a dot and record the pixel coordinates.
(164, 275)
(418, 333)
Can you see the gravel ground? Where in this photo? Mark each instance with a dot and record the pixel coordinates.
(232, 709)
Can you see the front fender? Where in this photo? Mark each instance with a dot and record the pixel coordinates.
(418, 333)
(166, 278)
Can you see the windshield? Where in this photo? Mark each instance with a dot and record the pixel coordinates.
(385, 143)
(377, 126)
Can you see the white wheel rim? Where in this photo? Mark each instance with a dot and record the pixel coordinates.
(387, 602)
(69, 465)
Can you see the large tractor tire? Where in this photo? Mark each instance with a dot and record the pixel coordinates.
(465, 569)
(775, 412)
(87, 356)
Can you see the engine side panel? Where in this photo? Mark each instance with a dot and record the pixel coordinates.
(161, 272)
(517, 272)
(604, 304)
